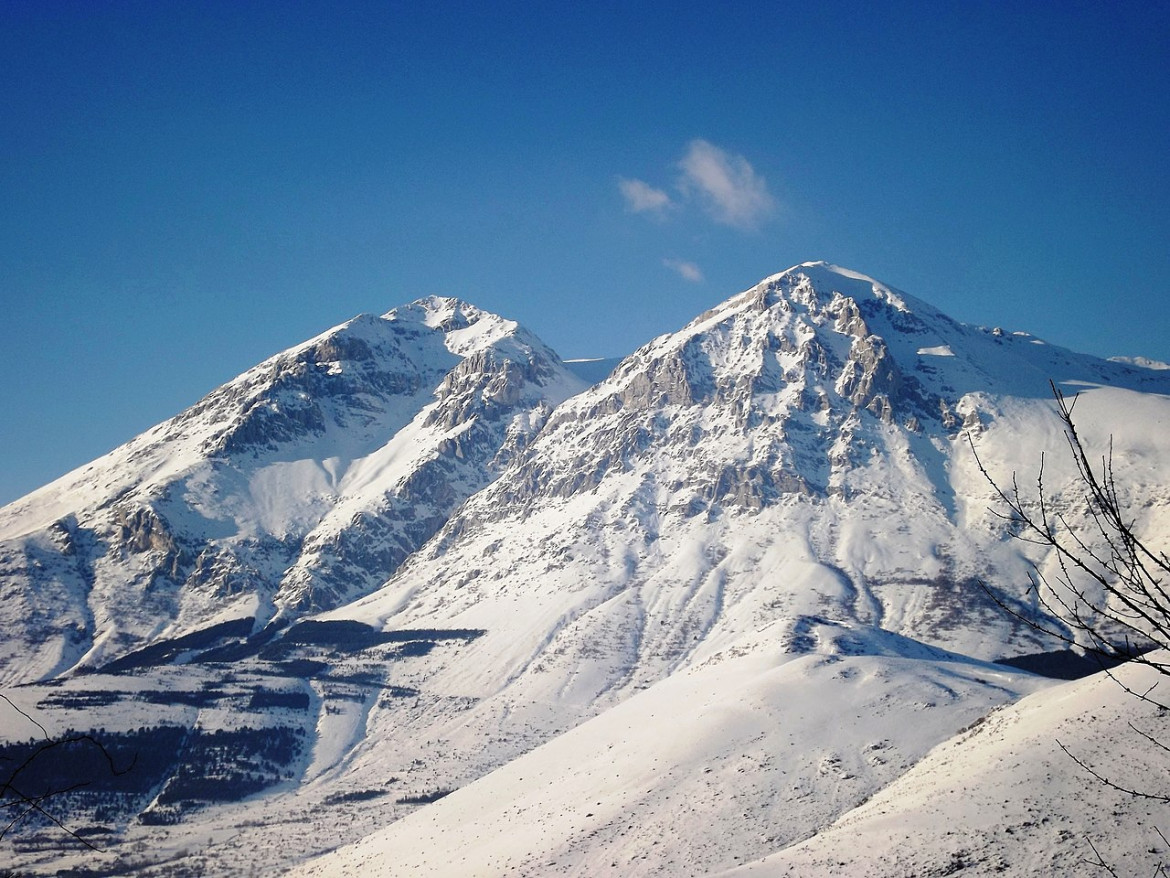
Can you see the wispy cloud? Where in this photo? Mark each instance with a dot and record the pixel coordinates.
(641, 197)
(731, 191)
(685, 270)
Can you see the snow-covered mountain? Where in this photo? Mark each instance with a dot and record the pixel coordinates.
(299, 485)
(803, 450)
(683, 619)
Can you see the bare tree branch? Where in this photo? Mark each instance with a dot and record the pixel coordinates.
(17, 708)
(1109, 594)
(15, 799)
(1100, 861)
(1106, 592)
(1137, 794)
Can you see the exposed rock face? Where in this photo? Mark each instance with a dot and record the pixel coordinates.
(139, 529)
(341, 380)
(781, 371)
(485, 409)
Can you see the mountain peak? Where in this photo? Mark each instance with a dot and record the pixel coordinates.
(827, 277)
(438, 312)
(294, 486)
(469, 329)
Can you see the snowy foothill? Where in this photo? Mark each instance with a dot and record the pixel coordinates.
(753, 750)
(1035, 788)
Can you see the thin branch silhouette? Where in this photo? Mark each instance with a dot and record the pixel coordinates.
(20, 803)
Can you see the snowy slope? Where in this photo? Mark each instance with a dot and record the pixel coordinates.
(1004, 798)
(776, 458)
(753, 749)
(775, 463)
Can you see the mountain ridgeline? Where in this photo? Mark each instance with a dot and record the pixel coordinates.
(424, 555)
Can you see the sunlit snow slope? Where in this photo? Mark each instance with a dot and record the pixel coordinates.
(802, 450)
(1005, 798)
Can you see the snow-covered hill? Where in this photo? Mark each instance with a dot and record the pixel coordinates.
(797, 459)
(1003, 797)
(755, 749)
(681, 620)
(776, 459)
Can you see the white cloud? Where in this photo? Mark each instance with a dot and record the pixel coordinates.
(732, 192)
(686, 270)
(642, 197)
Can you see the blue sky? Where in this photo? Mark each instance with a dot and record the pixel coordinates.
(188, 188)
